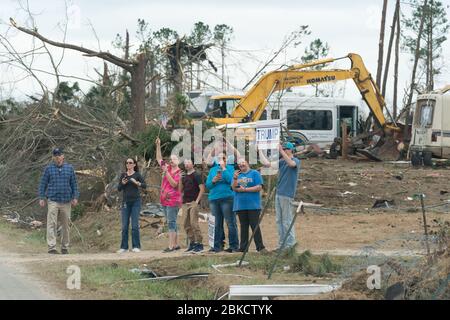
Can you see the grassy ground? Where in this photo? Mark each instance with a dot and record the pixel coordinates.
(113, 280)
(24, 240)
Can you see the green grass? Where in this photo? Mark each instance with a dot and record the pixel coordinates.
(318, 266)
(113, 280)
(32, 240)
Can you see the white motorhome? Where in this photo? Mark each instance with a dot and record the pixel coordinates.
(314, 120)
(431, 127)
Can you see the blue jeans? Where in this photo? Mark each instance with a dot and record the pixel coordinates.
(171, 214)
(223, 209)
(131, 210)
(283, 208)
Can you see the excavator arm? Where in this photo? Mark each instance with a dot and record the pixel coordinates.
(251, 106)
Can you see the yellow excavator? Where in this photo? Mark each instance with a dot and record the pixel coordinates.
(251, 106)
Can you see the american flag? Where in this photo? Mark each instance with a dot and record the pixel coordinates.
(164, 119)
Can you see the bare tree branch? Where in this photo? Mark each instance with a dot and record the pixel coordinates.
(126, 64)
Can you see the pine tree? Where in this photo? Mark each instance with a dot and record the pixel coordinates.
(435, 29)
(317, 50)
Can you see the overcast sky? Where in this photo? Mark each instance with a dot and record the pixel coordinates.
(259, 29)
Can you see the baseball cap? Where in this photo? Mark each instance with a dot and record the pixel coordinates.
(288, 145)
(57, 151)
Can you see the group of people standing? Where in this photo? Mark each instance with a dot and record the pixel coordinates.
(243, 199)
(234, 193)
(234, 190)
(178, 189)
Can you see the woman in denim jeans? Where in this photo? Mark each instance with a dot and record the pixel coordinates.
(130, 182)
(170, 196)
(220, 198)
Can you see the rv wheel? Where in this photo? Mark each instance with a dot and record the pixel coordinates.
(416, 159)
(427, 159)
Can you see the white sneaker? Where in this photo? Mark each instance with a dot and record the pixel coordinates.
(136, 250)
(121, 251)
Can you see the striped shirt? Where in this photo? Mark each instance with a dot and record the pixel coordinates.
(59, 184)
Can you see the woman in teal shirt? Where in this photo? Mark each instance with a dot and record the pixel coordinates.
(220, 198)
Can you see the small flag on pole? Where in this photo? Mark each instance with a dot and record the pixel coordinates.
(164, 119)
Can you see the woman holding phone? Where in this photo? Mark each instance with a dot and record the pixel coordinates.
(247, 185)
(130, 182)
(170, 196)
(220, 198)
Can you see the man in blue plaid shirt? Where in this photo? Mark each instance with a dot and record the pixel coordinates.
(59, 186)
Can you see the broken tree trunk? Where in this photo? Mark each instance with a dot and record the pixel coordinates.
(388, 56)
(414, 70)
(138, 94)
(381, 43)
(397, 53)
(430, 81)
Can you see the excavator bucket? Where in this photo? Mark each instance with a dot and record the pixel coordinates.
(388, 148)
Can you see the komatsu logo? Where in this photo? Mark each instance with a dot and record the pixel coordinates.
(322, 79)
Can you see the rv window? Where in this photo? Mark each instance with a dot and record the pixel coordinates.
(425, 116)
(309, 120)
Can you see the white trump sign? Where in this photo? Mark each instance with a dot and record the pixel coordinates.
(268, 134)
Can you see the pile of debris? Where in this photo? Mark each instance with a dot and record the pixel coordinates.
(28, 222)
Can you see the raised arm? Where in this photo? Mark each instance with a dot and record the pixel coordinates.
(173, 180)
(158, 151)
(262, 158)
(291, 163)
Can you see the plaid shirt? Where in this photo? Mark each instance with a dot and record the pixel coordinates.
(59, 184)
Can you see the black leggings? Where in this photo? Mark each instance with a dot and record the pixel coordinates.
(250, 218)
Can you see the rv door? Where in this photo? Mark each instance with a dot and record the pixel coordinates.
(423, 123)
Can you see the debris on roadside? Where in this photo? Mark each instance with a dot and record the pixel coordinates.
(30, 222)
(235, 264)
(144, 272)
(383, 204)
(36, 224)
(150, 276)
(346, 193)
(154, 210)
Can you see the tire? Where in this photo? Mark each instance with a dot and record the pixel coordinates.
(427, 159)
(416, 159)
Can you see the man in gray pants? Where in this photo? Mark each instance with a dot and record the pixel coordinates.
(59, 186)
(288, 169)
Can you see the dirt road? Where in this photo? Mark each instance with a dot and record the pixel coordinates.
(16, 283)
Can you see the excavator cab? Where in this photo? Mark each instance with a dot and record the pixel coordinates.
(222, 106)
(349, 115)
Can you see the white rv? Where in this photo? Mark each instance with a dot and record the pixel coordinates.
(431, 127)
(314, 120)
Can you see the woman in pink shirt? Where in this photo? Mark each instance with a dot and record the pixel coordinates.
(170, 196)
